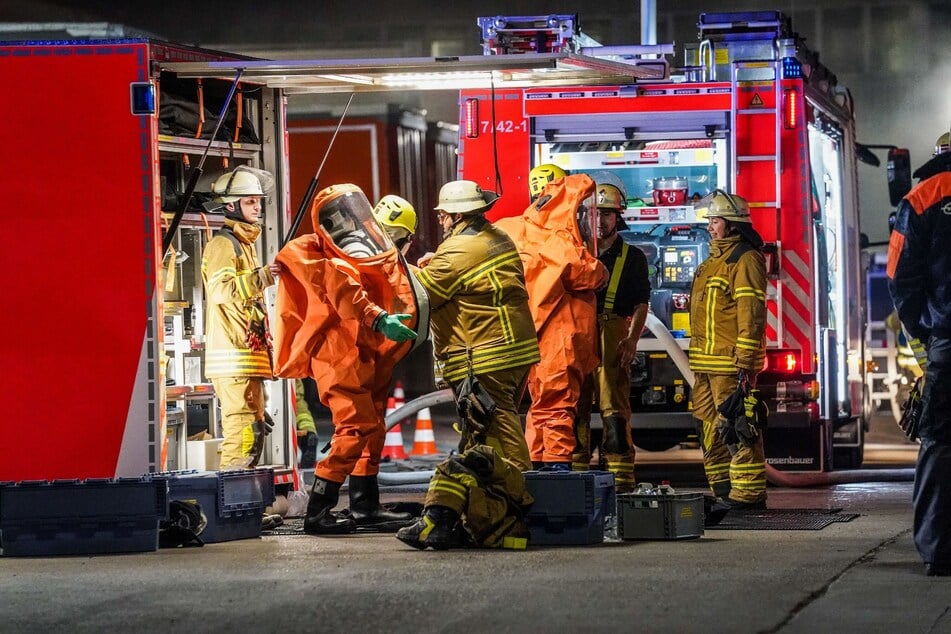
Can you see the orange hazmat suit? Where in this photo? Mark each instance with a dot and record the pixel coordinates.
(561, 276)
(327, 302)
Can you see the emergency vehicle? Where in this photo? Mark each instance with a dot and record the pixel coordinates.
(752, 112)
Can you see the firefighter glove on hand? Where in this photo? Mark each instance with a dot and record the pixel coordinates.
(392, 326)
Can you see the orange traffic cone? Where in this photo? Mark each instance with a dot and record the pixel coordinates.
(399, 396)
(424, 441)
(393, 446)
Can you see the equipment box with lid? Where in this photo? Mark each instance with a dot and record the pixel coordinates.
(233, 502)
(81, 517)
(570, 507)
(658, 514)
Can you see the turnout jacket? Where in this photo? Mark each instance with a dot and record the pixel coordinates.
(728, 309)
(919, 259)
(478, 300)
(237, 342)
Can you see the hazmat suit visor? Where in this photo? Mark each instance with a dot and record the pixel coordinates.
(348, 221)
(587, 219)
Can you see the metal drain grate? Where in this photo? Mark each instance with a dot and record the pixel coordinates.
(782, 520)
(292, 526)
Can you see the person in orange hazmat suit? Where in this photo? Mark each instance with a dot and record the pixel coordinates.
(341, 304)
(554, 237)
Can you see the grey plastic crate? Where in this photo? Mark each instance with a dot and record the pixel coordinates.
(232, 501)
(569, 507)
(656, 515)
(81, 517)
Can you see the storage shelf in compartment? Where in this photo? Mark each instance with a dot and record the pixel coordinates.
(186, 145)
(667, 158)
(661, 214)
(196, 221)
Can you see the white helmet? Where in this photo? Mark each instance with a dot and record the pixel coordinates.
(242, 181)
(465, 197)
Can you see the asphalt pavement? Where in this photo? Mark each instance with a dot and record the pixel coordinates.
(861, 575)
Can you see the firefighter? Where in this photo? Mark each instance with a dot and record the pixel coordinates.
(919, 265)
(238, 344)
(340, 321)
(306, 399)
(622, 310)
(484, 343)
(540, 176)
(561, 276)
(398, 218)
(728, 346)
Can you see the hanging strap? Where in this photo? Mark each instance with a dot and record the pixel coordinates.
(239, 107)
(201, 109)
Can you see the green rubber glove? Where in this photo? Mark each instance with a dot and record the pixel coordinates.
(392, 326)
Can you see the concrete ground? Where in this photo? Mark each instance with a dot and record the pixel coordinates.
(858, 576)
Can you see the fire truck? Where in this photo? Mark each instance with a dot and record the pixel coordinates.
(751, 111)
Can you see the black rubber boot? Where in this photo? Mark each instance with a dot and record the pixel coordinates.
(556, 466)
(319, 518)
(537, 465)
(436, 529)
(366, 511)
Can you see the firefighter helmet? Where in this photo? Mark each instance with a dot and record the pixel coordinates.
(465, 197)
(396, 213)
(943, 144)
(541, 175)
(720, 204)
(610, 197)
(240, 182)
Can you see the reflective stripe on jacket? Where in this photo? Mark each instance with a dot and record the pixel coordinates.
(728, 309)
(476, 288)
(234, 287)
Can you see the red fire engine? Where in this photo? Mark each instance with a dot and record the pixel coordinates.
(752, 112)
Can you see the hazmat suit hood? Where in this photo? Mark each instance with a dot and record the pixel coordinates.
(556, 208)
(550, 244)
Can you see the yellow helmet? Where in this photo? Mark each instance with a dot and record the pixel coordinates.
(243, 181)
(720, 204)
(610, 197)
(396, 212)
(943, 144)
(541, 175)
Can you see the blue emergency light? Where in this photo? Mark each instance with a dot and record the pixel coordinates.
(143, 97)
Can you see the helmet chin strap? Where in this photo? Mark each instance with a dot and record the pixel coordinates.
(233, 212)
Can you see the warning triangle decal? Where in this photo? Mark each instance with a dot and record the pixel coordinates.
(756, 101)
